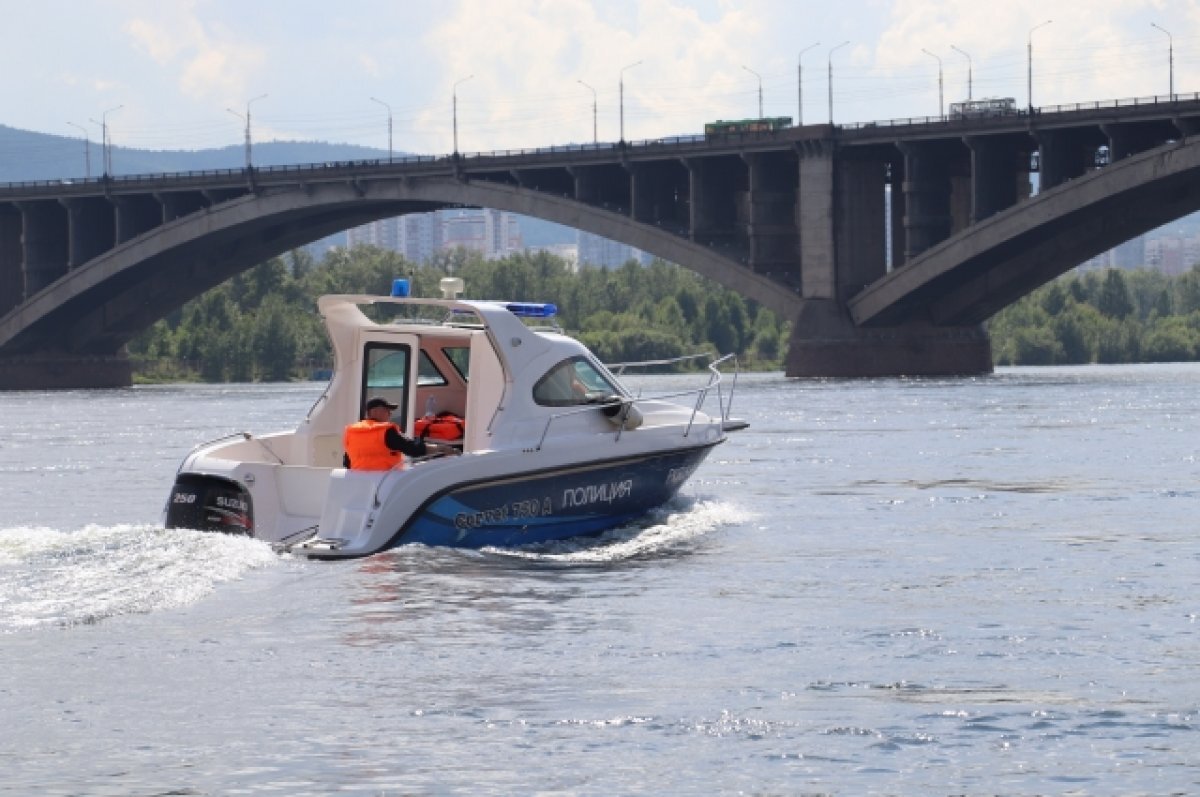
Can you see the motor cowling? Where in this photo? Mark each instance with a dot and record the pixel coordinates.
(209, 503)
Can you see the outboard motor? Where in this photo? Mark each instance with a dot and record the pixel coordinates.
(209, 503)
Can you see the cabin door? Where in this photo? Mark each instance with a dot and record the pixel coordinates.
(389, 371)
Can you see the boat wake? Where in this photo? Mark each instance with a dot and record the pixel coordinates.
(52, 578)
(677, 523)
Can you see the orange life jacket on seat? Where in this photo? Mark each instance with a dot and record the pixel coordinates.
(443, 426)
(366, 448)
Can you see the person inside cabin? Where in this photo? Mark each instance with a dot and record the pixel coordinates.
(375, 443)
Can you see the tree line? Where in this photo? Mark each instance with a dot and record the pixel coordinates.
(262, 325)
(1110, 316)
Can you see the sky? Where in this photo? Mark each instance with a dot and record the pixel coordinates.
(519, 74)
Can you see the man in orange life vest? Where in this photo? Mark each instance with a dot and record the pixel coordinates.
(375, 443)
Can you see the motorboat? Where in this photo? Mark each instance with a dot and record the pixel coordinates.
(552, 443)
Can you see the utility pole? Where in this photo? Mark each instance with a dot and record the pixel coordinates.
(595, 135)
(621, 93)
(454, 107)
(247, 118)
(1170, 60)
(955, 49)
(1029, 61)
(87, 151)
(105, 147)
(941, 101)
(800, 84)
(829, 64)
(389, 113)
(760, 104)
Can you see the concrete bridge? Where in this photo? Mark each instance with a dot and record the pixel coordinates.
(887, 244)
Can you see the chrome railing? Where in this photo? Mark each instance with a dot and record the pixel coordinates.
(715, 381)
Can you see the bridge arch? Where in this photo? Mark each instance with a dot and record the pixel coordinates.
(969, 277)
(96, 308)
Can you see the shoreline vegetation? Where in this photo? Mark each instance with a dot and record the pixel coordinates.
(262, 325)
(1110, 316)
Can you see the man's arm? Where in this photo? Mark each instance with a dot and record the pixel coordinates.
(398, 442)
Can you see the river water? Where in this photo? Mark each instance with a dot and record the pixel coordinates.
(938, 586)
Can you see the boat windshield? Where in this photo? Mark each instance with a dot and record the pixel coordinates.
(571, 382)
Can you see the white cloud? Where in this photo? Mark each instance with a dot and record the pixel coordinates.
(176, 67)
(206, 61)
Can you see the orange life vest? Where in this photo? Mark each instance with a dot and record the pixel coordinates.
(366, 448)
(443, 426)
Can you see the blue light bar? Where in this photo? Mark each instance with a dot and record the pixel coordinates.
(399, 288)
(531, 309)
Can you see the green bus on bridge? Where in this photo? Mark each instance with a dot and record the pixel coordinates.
(764, 125)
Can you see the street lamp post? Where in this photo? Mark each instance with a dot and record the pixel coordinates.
(87, 150)
(829, 64)
(621, 96)
(1170, 60)
(105, 149)
(760, 104)
(1029, 72)
(247, 120)
(800, 84)
(941, 100)
(963, 52)
(454, 108)
(595, 135)
(389, 113)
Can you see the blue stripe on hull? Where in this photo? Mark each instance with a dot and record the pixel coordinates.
(554, 505)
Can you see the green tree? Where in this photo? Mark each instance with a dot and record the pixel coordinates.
(1114, 299)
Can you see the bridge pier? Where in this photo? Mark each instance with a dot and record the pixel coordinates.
(60, 372)
(90, 229)
(12, 282)
(843, 222)
(44, 235)
(826, 343)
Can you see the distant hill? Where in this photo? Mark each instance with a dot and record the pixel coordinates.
(25, 155)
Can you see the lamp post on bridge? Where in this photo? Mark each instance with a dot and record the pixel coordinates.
(595, 135)
(941, 102)
(1170, 60)
(621, 96)
(87, 150)
(800, 84)
(760, 104)
(829, 64)
(247, 120)
(955, 49)
(1029, 62)
(389, 113)
(105, 148)
(454, 108)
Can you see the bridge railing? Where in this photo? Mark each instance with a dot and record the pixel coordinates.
(678, 142)
(1096, 105)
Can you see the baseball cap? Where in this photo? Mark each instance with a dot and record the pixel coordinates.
(379, 401)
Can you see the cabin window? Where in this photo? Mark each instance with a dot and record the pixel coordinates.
(460, 358)
(385, 373)
(572, 382)
(428, 374)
